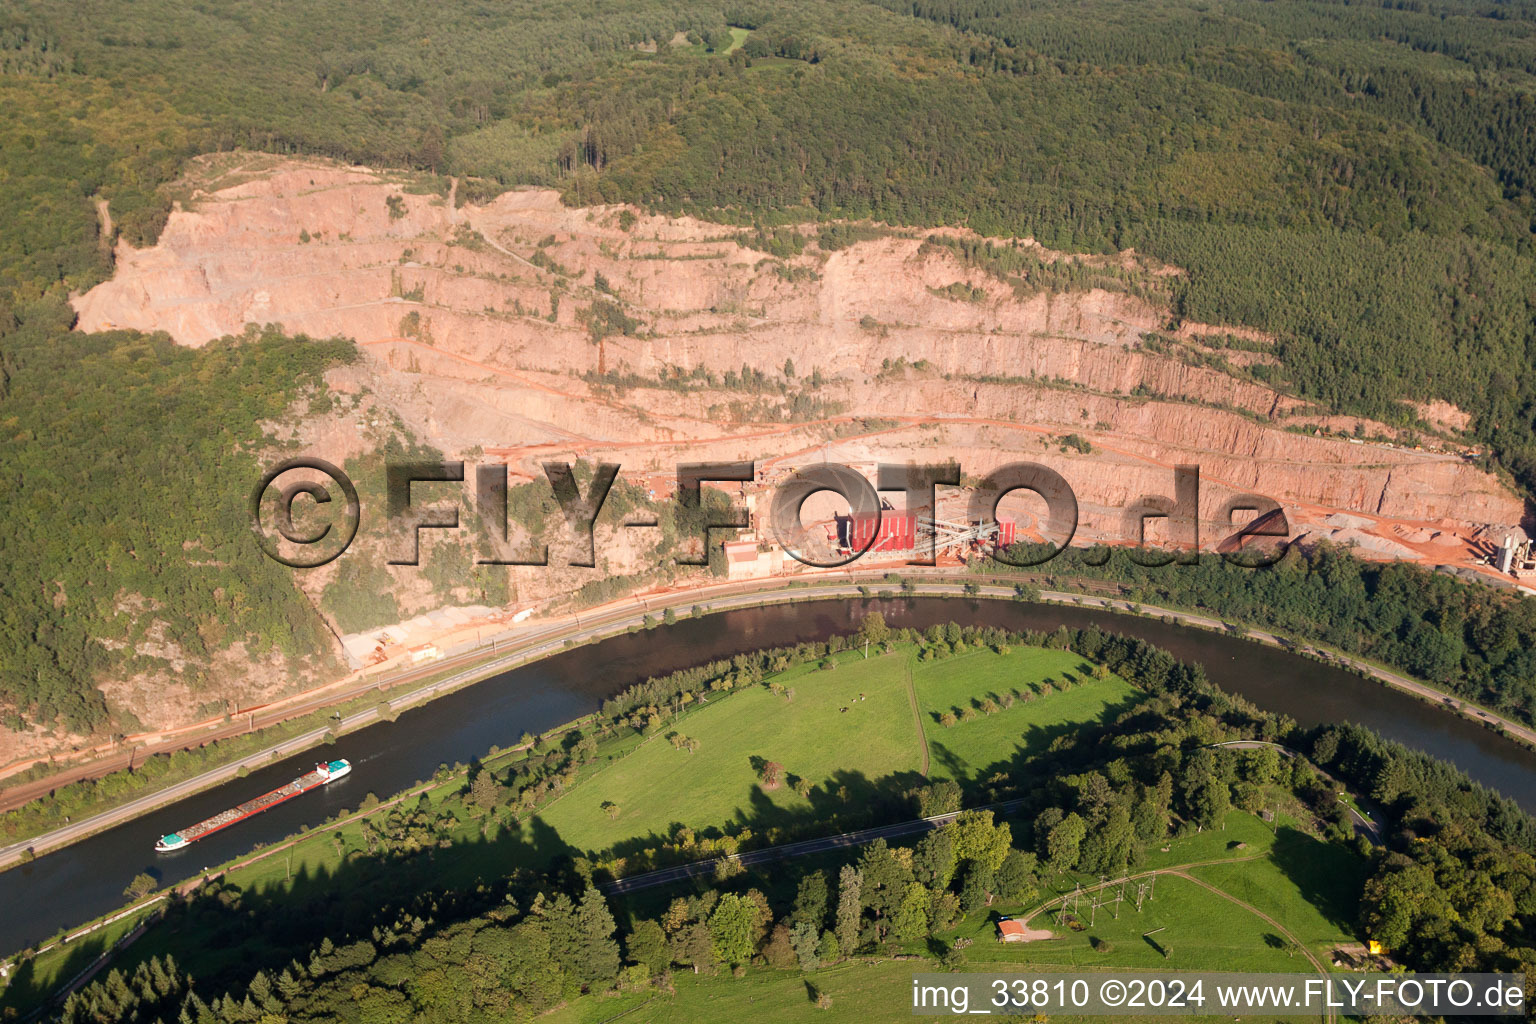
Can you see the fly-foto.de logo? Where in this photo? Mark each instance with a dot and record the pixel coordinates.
(305, 512)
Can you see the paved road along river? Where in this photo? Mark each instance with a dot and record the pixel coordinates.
(87, 879)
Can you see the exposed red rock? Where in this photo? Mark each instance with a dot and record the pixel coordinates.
(469, 321)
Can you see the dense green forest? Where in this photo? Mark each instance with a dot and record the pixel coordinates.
(380, 941)
(1354, 177)
(128, 459)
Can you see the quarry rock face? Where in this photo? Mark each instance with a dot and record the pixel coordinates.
(475, 320)
(522, 331)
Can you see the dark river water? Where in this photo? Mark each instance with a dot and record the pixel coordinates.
(87, 879)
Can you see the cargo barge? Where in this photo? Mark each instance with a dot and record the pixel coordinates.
(325, 772)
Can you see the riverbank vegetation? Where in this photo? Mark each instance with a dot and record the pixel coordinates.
(1473, 642)
(448, 905)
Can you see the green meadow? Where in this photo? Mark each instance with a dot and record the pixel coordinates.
(963, 750)
(849, 731)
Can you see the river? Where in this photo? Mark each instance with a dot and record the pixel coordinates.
(87, 879)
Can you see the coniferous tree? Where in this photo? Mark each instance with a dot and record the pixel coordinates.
(811, 901)
(850, 908)
(912, 914)
(731, 929)
(933, 860)
(830, 950)
(599, 950)
(806, 942)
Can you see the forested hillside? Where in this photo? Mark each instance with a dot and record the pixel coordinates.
(1353, 177)
(121, 554)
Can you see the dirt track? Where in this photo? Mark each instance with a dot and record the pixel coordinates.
(1182, 871)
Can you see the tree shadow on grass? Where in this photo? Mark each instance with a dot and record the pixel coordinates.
(223, 934)
(947, 759)
(26, 990)
(846, 801)
(1037, 741)
(1330, 876)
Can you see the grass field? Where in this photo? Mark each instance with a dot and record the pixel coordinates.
(1200, 931)
(963, 751)
(1241, 835)
(51, 968)
(859, 991)
(1277, 869)
(1309, 886)
(844, 728)
(849, 731)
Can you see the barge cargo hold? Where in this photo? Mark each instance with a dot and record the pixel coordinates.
(325, 772)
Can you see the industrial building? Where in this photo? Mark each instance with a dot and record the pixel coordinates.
(1514, 555)
(888, 531)
(747, 560)
(892, 531)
